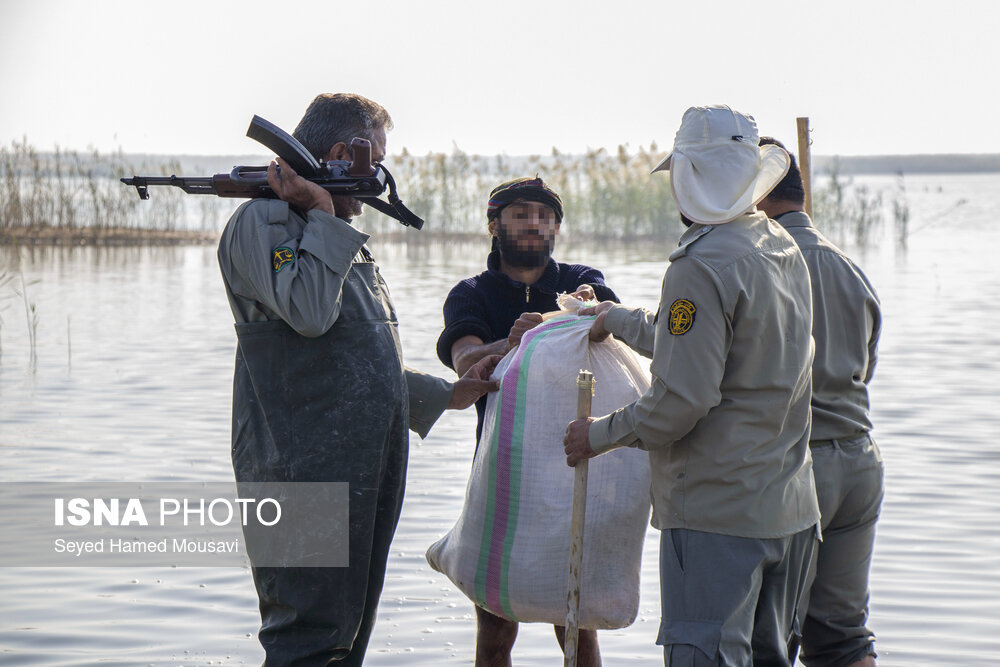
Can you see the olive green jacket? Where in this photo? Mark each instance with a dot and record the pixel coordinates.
(280, 265)
(726, 420)
(847, 321)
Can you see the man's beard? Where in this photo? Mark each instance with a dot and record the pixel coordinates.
(524, 258)
(346, 207)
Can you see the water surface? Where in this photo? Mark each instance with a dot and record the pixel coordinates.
(133, 376)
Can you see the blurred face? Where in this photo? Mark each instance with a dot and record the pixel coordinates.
(527, 231)
(349, 207)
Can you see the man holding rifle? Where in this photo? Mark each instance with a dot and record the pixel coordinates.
(320, 391)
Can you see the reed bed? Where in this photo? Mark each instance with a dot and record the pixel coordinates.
(69, 197)
(851, 213)
(604, 194)
(66, 196)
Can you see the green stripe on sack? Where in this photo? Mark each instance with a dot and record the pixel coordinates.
(516, 457)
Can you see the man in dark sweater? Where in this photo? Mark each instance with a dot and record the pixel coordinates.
(488, 313)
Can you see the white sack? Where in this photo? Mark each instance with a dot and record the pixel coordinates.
(509, 550)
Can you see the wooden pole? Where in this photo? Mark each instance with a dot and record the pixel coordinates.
(805, 166)
(585, 392)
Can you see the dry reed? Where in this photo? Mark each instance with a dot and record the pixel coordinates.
(65, 195)
(606, 194)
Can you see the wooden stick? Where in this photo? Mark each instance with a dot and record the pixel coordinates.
(805, 165)
(585, 386)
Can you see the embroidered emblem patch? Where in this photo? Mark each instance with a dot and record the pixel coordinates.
(681, 316)
(281, 257)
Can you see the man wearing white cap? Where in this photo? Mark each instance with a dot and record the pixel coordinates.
(726, 420)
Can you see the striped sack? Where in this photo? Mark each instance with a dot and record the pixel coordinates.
(509, 550)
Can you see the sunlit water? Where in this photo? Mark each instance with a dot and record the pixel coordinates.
(132, 381)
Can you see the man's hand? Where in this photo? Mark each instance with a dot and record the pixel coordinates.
(576, 443)
(475, 383)
(295, 190)
(523, 324)
(585, 293)
(597, 330)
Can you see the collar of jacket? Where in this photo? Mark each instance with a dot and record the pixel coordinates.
(692, 234)
(549, 282)
(794, 219)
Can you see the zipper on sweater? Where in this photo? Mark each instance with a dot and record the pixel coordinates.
(527, 293)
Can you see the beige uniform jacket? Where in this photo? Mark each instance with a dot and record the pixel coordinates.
(726, 420)
(847, 321)
(279, 265)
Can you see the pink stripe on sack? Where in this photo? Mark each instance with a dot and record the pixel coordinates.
(502, 507)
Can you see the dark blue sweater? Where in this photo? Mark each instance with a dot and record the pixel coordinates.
(487, 305)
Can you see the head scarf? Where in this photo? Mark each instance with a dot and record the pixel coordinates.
(527, 189)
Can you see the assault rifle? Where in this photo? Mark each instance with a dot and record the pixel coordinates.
(359, 178)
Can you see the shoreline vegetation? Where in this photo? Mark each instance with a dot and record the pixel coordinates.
(64, 199)
(46, 235)
(67, 198)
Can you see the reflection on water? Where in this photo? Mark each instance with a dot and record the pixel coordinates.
(134, 367)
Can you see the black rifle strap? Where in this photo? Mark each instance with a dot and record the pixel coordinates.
(405, 216)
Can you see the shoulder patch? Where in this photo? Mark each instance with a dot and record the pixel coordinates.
(282, 257)
(682, 314)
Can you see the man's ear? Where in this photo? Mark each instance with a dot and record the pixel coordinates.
(339, 151)
(492, 227)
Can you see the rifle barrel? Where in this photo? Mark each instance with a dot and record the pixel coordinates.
(194, 186)
(250, 182)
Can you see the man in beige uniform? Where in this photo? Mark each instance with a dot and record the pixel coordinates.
(847, 320)
(726, 420)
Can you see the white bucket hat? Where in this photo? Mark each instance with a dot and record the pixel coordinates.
(717, 170)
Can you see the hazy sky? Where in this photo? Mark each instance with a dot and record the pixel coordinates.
(874, 76)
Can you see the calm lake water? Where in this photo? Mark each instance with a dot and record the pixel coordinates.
(132, 381)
